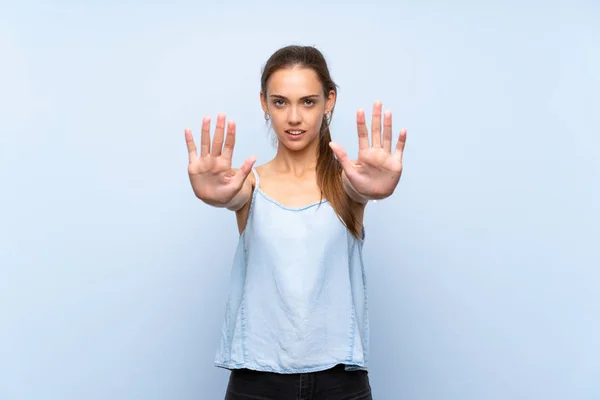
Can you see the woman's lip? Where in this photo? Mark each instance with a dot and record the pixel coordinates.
(296, 136)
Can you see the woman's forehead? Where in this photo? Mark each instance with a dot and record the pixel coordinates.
(294, 82)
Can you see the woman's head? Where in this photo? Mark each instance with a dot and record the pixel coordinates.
(298, 96)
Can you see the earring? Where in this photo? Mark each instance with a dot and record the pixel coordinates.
(267, 117)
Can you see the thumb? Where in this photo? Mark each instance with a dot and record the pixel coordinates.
(341, 156)
(245, 169)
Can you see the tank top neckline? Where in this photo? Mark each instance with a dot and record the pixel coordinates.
(277, 203)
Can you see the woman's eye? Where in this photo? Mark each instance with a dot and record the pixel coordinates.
(278, 102)
(310, 102)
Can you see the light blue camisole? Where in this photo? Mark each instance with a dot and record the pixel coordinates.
(297, 300)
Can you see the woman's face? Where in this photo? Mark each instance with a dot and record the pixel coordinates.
(296, 104)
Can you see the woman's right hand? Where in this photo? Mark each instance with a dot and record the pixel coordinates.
(212, 178)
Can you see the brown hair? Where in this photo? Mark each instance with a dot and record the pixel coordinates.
(329, 169)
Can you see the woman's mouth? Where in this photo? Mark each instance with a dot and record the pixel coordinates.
(295, 133)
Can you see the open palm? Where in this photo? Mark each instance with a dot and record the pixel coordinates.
(212, 178)
(376, 171)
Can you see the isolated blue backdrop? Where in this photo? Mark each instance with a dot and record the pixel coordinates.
(483, 266)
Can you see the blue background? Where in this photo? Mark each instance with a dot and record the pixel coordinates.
(483, 267)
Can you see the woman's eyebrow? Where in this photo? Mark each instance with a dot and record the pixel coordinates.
(285, 98)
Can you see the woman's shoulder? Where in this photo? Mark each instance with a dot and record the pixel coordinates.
(265, 169)
(265, 172)
(260, 170)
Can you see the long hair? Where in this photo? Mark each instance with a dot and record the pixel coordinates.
(329, 169)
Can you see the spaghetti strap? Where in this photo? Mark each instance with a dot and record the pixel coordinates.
(256, 177)
(253, 198)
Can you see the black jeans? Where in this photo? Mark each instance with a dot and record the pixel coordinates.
(332, 384)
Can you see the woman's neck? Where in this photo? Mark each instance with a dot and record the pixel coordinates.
(296, 162)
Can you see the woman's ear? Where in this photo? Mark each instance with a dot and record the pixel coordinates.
(330, 101)
(263, 103)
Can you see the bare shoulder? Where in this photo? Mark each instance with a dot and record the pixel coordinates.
(265, 169)
(266, 173)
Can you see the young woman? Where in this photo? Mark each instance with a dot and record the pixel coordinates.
(296, 324)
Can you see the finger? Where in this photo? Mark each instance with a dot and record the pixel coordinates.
(376, 124)
(387, 131)
(217, 144)
(191, 146)
(363, 132)
(245, 169)
(229, 140)
(205, 138)
(342, 156)
(400, 145)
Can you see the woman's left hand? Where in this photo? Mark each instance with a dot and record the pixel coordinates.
(376, 172)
